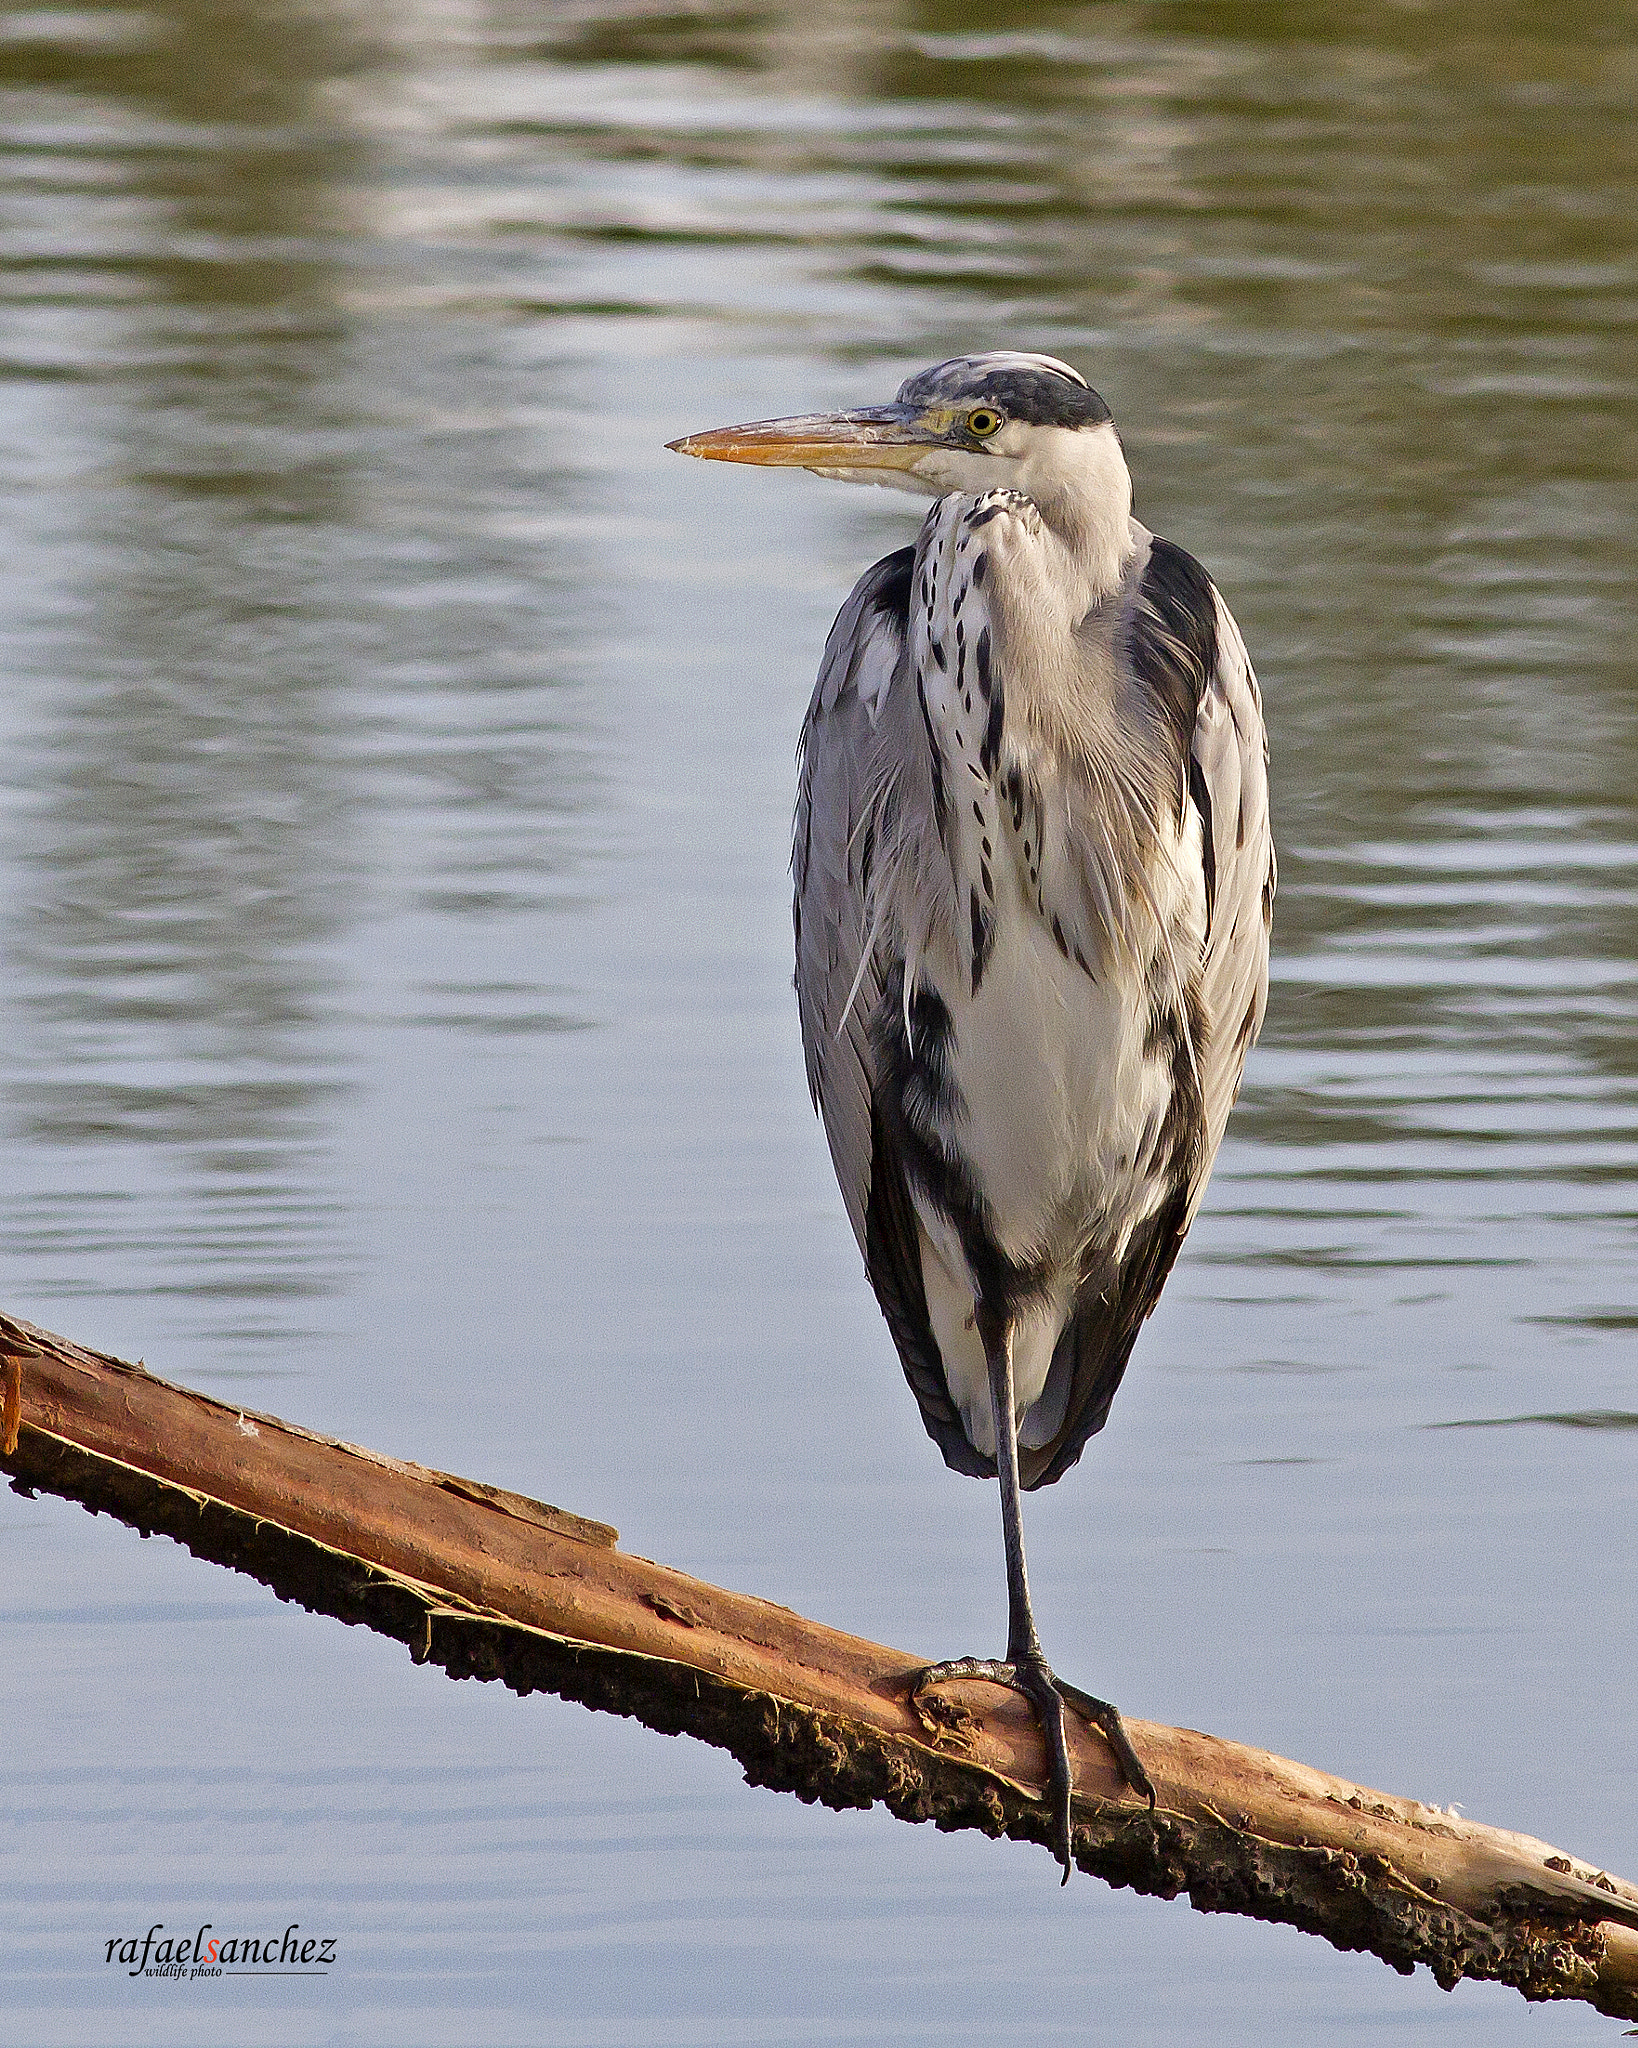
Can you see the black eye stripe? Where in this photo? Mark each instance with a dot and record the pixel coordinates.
(1041, 398)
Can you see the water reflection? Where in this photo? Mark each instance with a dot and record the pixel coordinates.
(253, 661)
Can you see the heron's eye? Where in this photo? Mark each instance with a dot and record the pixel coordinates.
(983, 422)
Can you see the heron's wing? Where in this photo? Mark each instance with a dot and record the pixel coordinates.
(1187, 650)
(842, 789)
(837, 985)
(1228, 785)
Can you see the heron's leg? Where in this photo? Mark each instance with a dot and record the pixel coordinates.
(1023, 1645)
(1031, 1674)
(1025, 1667)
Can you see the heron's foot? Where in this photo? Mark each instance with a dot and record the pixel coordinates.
(1031, 1677)
(1048, 1695)
(1035, 1681)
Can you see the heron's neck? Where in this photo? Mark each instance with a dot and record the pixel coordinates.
(1084, 490)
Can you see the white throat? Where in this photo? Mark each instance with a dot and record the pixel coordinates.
(1076, 476)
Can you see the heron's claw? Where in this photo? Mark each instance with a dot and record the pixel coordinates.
(1048, 1695)
(1035, 1681)
(1106, 1719)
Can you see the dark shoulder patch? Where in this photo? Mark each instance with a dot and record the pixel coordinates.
(890, 584)
(1174, 639)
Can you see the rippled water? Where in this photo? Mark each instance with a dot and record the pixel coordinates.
(397, 770)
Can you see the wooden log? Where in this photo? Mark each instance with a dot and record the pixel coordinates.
(490, 1584)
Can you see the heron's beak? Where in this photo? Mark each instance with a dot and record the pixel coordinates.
(877, 437)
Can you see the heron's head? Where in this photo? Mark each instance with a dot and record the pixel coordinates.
(1005, 420)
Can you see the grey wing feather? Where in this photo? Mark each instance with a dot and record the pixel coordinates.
(837, 987)
(1229, 760)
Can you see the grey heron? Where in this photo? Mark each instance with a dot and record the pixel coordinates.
(1034, 886)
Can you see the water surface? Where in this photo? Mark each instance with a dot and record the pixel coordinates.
(396, 786)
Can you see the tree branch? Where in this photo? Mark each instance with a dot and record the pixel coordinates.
(489, 1584)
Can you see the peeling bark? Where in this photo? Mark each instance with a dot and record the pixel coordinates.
(489, 1584)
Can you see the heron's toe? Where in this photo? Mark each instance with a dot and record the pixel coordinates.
(1035, 1681)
